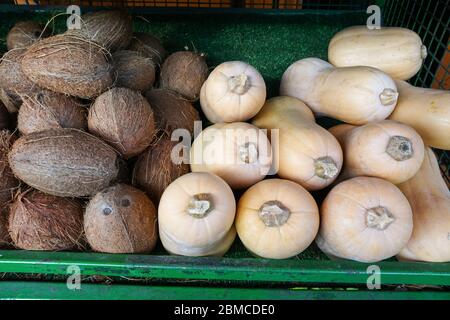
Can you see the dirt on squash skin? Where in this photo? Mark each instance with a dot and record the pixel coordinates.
(50, 110)
(25, 33)
(13, 81)
(121, 219)
(184, 72)
(112, 30)
(149, 46)
(155, 170)
(64, 162)
(172, 111)
(124, 119)
(69, 64)
(38, 221)
(134, 71)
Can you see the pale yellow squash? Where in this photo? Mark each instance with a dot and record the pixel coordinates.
(429, 197)
(397, 51)
(196, 214)
(237, 152)
(385, 149)
(304, 152)
(355, 95)
(364, 219)
(277, 219)
(427, 111)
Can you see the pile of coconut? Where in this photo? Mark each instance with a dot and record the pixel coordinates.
(86, 119)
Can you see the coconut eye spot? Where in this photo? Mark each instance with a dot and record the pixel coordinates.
(125, 202)
(107, 211)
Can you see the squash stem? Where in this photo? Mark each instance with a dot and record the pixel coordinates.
(326, 168)
(379, 218)
(239, 84)
(388, 97)
(400, 148)
(248, 153)
(274, 213)
(200, 205)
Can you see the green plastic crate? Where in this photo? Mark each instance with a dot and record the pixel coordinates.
(270, 39)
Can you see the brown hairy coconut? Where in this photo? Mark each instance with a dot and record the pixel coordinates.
(112, 30)
(155, 170)
(148, 45)
(171, 111)
(69, 64)
(184, 72)
(134, 71)
(5, 118)
(123, 118)
(8, 182)
(13, 81)
(50, 110)
(64, 162)
(5, 239)
(25, 33)
(38, 221)
(121, 219)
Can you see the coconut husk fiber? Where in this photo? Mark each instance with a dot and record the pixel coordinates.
(134, 71)
(50, 110)
(155, 170)
(38, 221)
(13, 81)
(112, 30)
(69, 64)
(64, 162)
(184, 72)
(25, 33)
(5, 239)
(172, 111)
(124, 119)
(9, 185)
(149, 46)
(121, 219)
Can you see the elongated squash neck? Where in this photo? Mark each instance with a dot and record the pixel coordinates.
(274, 213)
(200, 205)
(388, 97)
(400, 148)
(239, 84)
(379, 218)
(248, 153)
(325, 168)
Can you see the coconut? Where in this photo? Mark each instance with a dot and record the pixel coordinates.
(25, 33)
(38, 221)
(112, 30)
(171, 111)
(5, 239)
(134, 71)
(8, 182)
(184, 72)
(64, 162)
(121, 219)
(69, 64)
(155, 168)
(123, 118)
(50, 110)
(13, 82)
(5, 118)
(149, 46)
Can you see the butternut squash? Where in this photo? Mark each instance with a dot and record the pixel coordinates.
(397, 51)
(277, 219)
(303, 151)
(364, 219)
(427, 111)
(237, 152)
(355, 95)
(429, 197)
(196, 214)
(385, 149)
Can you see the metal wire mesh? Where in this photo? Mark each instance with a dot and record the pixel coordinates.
(431, 21)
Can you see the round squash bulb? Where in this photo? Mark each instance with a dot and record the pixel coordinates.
(196, 213)
(364, 219)
(237, 152)
(234, 91)
(277, 219)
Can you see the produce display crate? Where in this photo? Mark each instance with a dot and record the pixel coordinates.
(269, 35)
